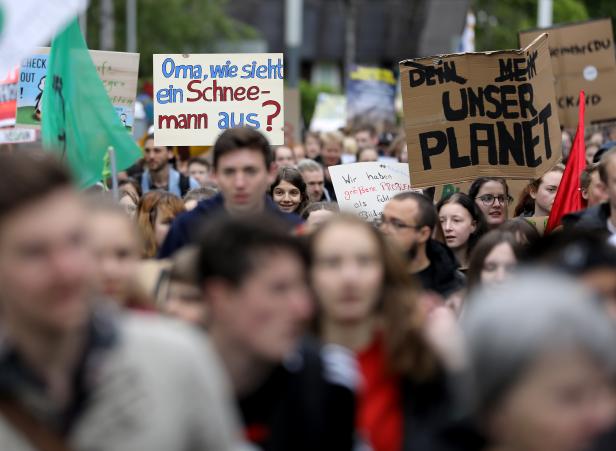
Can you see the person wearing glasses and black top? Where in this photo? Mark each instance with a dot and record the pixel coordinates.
(409, 219)
(491, 194)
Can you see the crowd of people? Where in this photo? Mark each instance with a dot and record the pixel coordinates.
(223, 302)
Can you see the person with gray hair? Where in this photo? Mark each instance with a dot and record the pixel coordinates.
(313, 175)
(542, 361)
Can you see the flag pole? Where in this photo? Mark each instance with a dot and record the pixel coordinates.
(114, 173)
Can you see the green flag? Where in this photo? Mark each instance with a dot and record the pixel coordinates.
(78, 119)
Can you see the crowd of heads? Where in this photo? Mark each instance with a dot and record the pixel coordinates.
(461, 283)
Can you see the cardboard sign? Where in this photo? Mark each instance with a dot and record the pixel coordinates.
(8, 98)
(371, 94)
(329, 113)
(365, 188)
(582, 58)
(17, 135)
(197, 96)
(118, 72)
(479, 114)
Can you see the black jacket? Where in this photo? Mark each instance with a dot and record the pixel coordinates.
(592, 219)
(303, 406)
(185, 227)
(442, 276)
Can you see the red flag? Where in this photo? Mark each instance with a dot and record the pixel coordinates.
(569, 197)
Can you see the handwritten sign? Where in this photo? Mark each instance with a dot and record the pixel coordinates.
(118, 72)
(365, 188)
(17, 135)
(197, 96)
(476, 114)
(329, 113)
(582, 58)
(371, 93)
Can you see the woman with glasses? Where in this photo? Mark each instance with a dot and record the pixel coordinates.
(538, 197)
(463, 224)
(491, 194)
(368, 304)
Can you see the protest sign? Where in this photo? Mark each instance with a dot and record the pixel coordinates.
(365, 188)
(582, 59)
(8, 98)
(371, 94)
(197, 96)
(17, 135)
(329, 113)
(480, 114)
(118, 72)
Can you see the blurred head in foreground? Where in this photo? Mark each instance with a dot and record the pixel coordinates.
(542, 360)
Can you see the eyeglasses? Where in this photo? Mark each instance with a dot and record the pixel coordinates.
(488, 199)
(398, 225)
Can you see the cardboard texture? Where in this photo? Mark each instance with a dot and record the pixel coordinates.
(118, 72)
(582, 58)
(365, 188)
(198, 96)
(480, 114)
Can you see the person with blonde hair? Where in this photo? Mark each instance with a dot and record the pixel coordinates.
(331, 155)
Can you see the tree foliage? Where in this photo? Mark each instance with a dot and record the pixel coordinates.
(169, 26)
(499, 21)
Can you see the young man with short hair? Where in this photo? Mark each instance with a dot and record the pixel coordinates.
(591, 186)
(293, 396)
(159, 174)
(75, 373)
(243, 171)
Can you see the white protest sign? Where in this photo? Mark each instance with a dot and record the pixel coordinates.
(17, 135)
(365, 188)
(117, 70)
(197, 96)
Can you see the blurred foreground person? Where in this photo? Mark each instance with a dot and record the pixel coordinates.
(117, 250)
(542, 360)
(293, 396)
(184, 299)
(367, 303)
(317, 213)
(588, 256)
(74, 373)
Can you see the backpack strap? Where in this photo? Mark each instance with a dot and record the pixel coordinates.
(184, 184)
